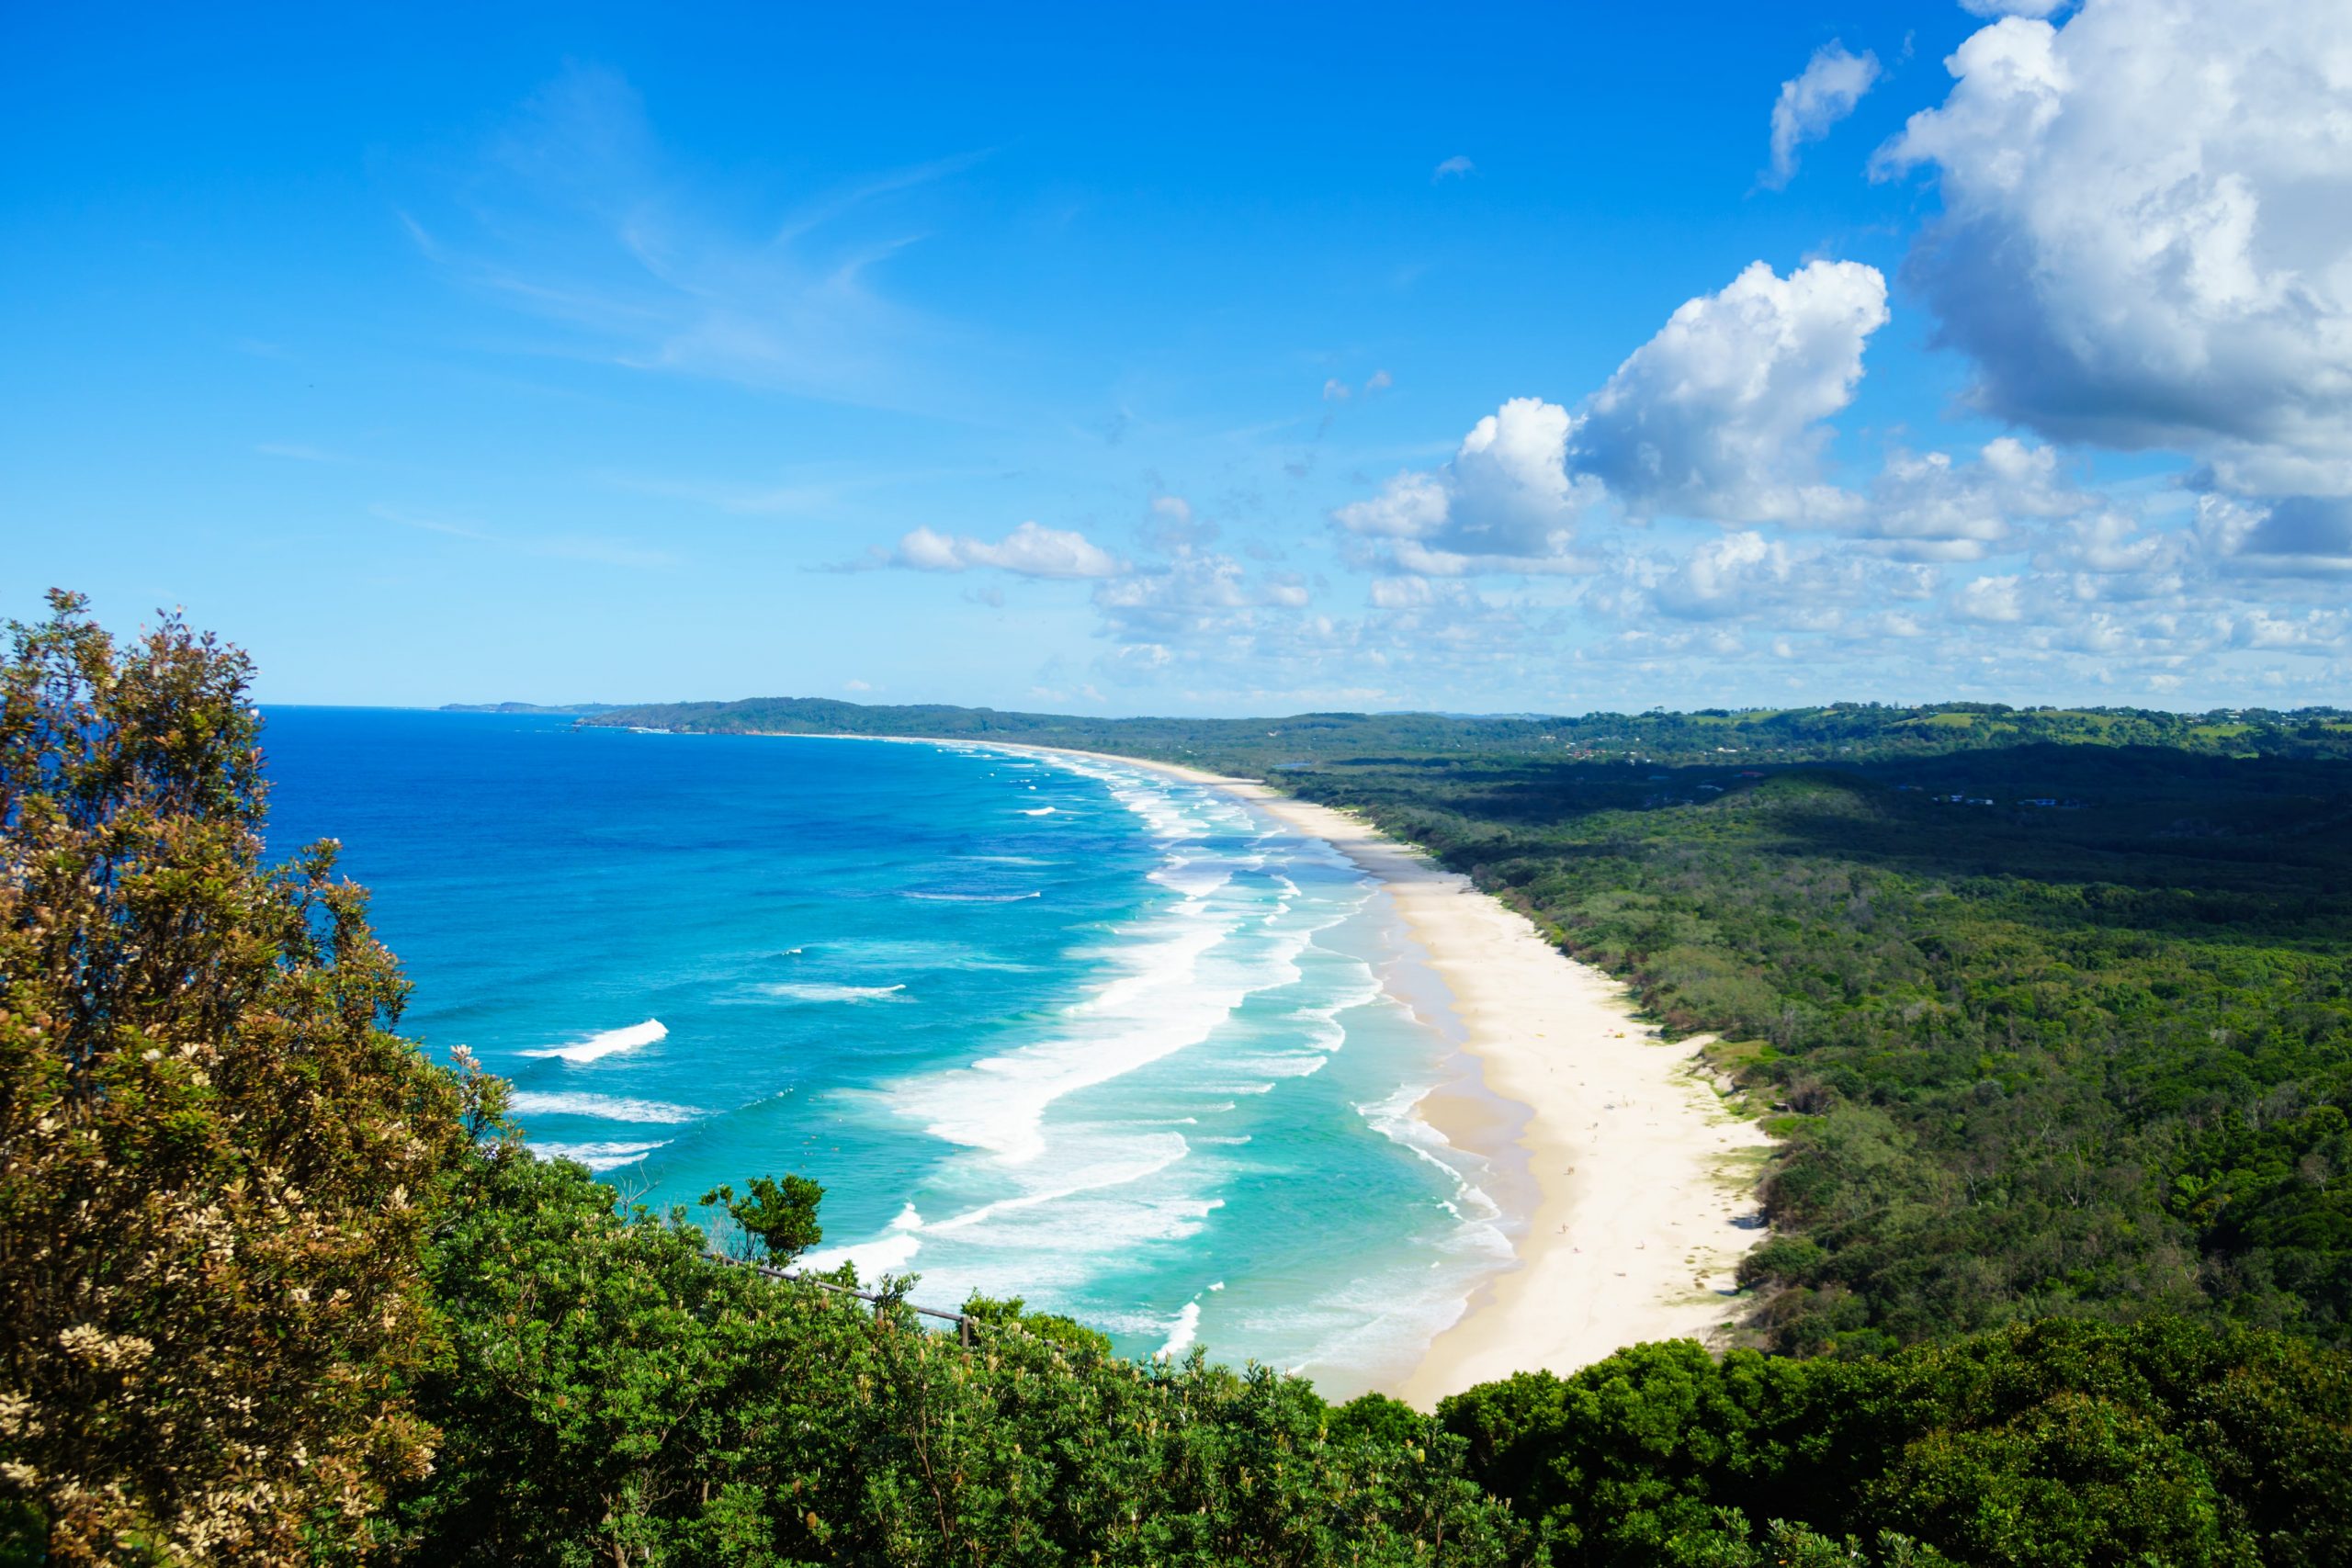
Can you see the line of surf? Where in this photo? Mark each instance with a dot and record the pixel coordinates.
(600, 1107)
(1635, 1227)
(1178, 976)
(610, 1043)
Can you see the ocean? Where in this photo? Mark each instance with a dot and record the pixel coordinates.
(1058, 1028)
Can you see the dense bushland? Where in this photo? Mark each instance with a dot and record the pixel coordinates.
(2086, 1059)
(2061, 1443)
(275, 1289)
(611, 1395)
(1843, 731)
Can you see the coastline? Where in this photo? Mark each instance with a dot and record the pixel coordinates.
(1642, 1176)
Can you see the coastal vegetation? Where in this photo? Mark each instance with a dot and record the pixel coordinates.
(1842, 731)
(275, 1288)
(219, 1169)
(2044, 1030)
(2051, 1009)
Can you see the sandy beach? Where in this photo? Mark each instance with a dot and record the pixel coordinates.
(1642, 1175)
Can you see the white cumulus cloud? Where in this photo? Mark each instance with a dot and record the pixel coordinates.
(1743, 574)
(1718, 416)
(1930, 507)
(1995, 601)
(1815, 99)
(1029, 550)
(2145, 238)
(1506, 503)
(1724, 576)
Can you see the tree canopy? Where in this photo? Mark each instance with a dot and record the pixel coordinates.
(217, 1163)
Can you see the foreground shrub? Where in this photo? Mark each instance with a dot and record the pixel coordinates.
(215, 1162)
(2064, 1442)
(613, 1394)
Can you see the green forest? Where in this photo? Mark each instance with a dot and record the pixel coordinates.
(1843, 731)
(2057, 1274)
(2090, 1057)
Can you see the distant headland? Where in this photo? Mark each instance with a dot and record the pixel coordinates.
(581, 709)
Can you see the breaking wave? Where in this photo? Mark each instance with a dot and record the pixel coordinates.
(609, 1043)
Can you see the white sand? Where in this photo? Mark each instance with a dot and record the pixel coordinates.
(1640, 1167)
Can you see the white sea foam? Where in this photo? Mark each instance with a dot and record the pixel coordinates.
(973, 897)
(1168, 997)
(605, 1044)
(600, 1107)
(1255, 903)
(896, 954)
(815, 991)
(1038, 811)
(1180, 986)
(1050, 1229)
(1397, 1118)
(1180, 875)
(1183, 1331)
(1060, 1194)
(889, 1253)
(596, 1157)
(1162, 1152)
(1385, 1318)
(1322, 1022)
(1288, 1064)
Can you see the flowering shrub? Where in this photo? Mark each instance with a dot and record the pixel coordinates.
(216, 1161)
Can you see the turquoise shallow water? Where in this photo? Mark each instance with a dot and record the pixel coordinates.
(1051, 1028)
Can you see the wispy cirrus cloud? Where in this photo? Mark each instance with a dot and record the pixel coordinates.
(803, 491)
(577, 216)
(296, 452)
(558, 546)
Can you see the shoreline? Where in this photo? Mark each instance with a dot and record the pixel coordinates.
(1644, 1180)
(1642, 1176)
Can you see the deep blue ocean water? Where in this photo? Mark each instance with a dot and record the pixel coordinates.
(1056, 1029)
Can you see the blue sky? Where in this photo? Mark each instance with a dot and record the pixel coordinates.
(1216, 360)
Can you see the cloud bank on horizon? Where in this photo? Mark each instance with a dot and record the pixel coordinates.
(2016, 365)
